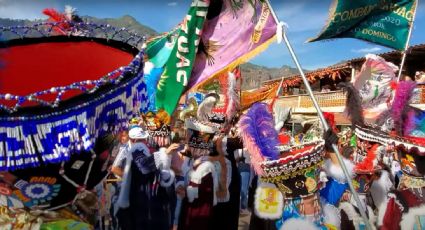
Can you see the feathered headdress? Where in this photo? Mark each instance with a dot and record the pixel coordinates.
(224, 114)
(190, 110)
(64, 19)
(69, 12)
(373, 84)
(54, 15)
(259, 136)
(353, 104)
(206, 107)
(401, 112)
(233, 100)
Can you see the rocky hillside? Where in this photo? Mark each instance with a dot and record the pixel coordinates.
(254, 75)
(125, 21)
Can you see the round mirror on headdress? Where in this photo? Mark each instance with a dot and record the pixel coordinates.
(57, 185)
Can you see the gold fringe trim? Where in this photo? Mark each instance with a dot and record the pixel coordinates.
(242, 59)
(261, 94)
(300, 172)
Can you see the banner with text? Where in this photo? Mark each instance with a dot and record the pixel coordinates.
(179, 66)
(232, 35)
(385, 22)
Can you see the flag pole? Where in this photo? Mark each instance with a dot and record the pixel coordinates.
(324, 123)
(403, 59)
(280, 87)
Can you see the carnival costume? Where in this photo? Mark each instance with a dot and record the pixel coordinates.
(404, 208)
(201, 177)
(226, 212)
(55, 133)
(289, 177)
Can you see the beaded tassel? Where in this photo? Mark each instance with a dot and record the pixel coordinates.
(54, 137)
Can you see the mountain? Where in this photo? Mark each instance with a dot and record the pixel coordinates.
(253, 75)
(125, 21)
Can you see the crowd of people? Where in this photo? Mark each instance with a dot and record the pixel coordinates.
(182, 179)
(211, 169)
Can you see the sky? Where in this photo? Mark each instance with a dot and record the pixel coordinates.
(305, 19)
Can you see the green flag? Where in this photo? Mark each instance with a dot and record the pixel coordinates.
(385, 22)
(178, 68)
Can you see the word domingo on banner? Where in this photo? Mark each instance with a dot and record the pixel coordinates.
(379, 21)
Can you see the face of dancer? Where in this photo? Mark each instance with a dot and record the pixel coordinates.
(124, 138)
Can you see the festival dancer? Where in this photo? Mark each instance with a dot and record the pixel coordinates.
(365, 153)
(202, 182)
(289, 186)
(143, 199)
(226, 212)
(404, 208)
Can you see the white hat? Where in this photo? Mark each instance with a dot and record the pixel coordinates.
(138, 133)
(206, 127)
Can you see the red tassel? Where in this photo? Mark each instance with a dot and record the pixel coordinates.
(392, 217)
(393, 85)
(330, 118)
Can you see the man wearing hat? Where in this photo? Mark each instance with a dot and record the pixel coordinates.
(134, 135)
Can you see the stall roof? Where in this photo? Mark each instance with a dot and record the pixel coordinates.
(415, 53)
(312, 74)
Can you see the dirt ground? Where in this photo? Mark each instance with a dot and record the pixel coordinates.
(244, 221)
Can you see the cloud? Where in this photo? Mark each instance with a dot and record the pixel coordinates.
(367, 50)
(172, 4)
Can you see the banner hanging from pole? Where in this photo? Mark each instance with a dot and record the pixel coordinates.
(231, 37)
(178, 68)
(383, 22)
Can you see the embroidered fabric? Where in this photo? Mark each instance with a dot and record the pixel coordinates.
(195, 177)
(411, 182)
(144, 162)
(333, 191)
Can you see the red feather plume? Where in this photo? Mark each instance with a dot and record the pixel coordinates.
(55, 16)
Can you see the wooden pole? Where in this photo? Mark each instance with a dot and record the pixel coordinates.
(409, 35)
